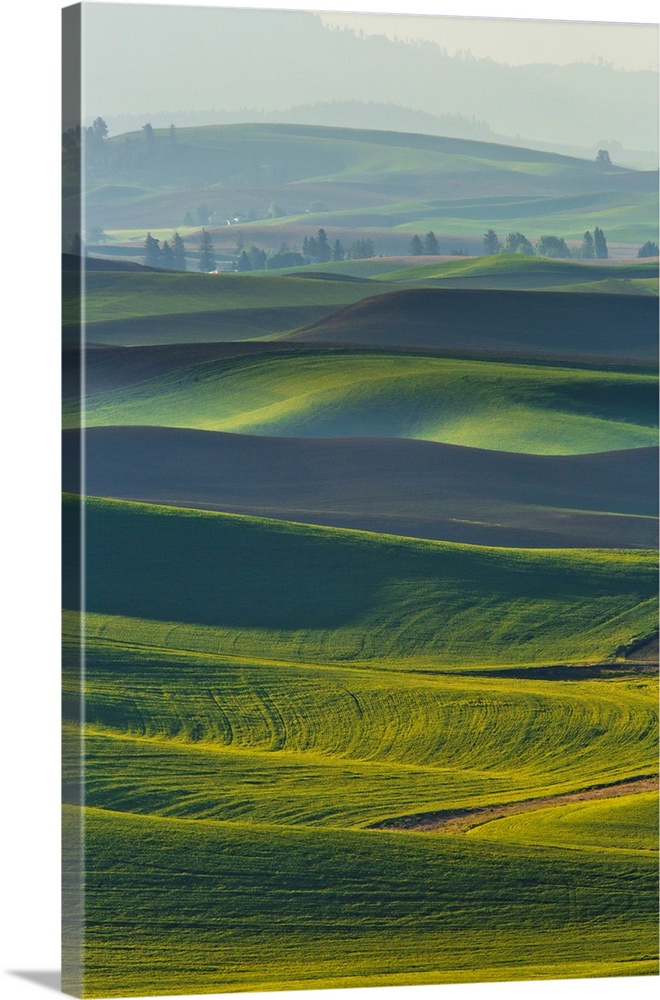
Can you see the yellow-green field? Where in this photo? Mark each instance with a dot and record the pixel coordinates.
(271, 722)
(316, 682)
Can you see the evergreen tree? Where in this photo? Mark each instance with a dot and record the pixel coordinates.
(311, 248)
(207, 261)
(491, 242)
(203, 215)
(188, 219)
(100, 129)
(431, 248)
(243, 263)
(587, 250)
(600, 245)
(648, 249)
(360, 250)
(257, 258)
(416, 247)
(178, 253)
(76, 246)
(166, 256)
(337, 251)
(152, 251)
(324, 252)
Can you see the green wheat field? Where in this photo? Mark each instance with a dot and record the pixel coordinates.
(362, 685)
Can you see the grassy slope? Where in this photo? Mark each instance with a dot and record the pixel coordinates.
(362, 176)
(269, 588)
(461, 494)
(226, 737)
(513, 270)
(143, 307)
(240, 907)
(628, 823)
(540, 410)
(627, 216)
(180, 742)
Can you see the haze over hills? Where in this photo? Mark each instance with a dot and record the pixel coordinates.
(279, 181)
(288, 47)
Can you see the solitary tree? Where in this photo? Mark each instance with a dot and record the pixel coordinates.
(100, 129)
(587, 251)
(491, 242)
(600, 244)
(431, 245)
(148, 136)
(416, 247)
(151, 251)
(603, 158)
(648, 249)
(207, 261)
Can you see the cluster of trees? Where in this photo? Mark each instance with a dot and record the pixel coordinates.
(90, 139)
(648, 249)
(318, 247)
(358, 250)
(428, 247)
(314, 248)
(593, 246)
(171, 256)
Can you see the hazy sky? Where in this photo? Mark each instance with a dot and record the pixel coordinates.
(626, 46)
(169, 57)
(514, 40)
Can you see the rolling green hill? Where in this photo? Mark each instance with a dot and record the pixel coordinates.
(133, 307)
(517, 271)
(363, 543)
(607, 825)
(313, 393)
(363, 178)
(311, 908)
(270, 588)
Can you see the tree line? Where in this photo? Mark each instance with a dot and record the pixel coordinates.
(593, 246)
(427, 247)
(315, 249)
(171, 256)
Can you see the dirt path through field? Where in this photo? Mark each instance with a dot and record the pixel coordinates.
(461, 820)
